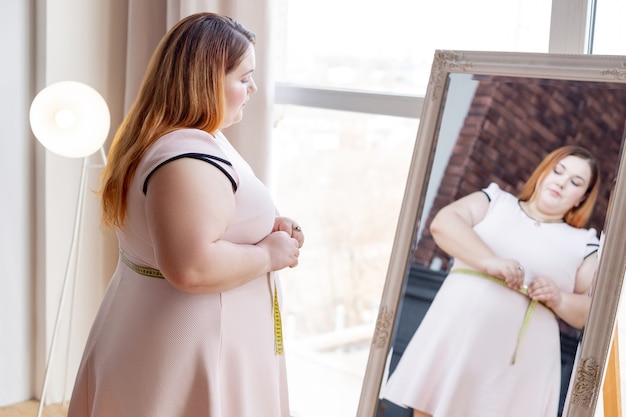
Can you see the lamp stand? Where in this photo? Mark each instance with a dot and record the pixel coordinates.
(66, 280)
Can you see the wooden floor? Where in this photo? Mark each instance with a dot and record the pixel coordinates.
(30, 409)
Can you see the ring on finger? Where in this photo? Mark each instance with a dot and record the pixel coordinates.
(298, 228)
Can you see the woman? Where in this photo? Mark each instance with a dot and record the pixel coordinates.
(489, 344)
(189, 325)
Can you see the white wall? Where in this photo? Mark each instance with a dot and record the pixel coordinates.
(16, 205)
(45, 41)
(84, 41)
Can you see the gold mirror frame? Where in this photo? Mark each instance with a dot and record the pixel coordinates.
(593, 351)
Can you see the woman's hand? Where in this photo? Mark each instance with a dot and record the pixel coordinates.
(284, 243)
(282, 249)
(290, 226)
(509, 270)
(543, 289)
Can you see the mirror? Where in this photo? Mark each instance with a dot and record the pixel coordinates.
(492, 117)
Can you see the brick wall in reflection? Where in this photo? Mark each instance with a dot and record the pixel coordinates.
(512, 124)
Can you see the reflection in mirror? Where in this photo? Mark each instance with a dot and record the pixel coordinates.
(483, 127)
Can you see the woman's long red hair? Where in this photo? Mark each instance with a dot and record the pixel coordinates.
(183, 88)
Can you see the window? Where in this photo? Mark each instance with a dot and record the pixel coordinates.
(388, 46)
(342, 176)
(351, 78)
(607, 34)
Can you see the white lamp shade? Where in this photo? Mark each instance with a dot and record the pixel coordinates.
(70, 119)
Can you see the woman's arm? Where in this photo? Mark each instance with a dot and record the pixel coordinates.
(573, 308)
(452, 229)
(189, 204)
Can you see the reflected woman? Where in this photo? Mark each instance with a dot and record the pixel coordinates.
(489, 344)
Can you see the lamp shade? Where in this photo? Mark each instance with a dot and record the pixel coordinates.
(70, 119)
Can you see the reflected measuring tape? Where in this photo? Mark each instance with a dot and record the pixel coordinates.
(524, 290)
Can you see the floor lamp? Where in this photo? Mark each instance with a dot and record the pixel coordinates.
(72, 120)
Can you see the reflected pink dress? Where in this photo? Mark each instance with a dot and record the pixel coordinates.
(155, 351)
(459, 361)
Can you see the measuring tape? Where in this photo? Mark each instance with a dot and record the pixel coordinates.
(523, 290)
(278, 326)
(142, 270)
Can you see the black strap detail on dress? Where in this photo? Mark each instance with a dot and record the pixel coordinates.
(485, 193)
(594, 246)
(211, 159)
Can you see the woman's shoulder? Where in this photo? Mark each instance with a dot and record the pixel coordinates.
(495, 193)
(179, 143)
(589, 235)
(187, 133)
(184, 137)
(586, 239)
(183, 141)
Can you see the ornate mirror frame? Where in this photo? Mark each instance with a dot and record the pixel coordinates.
(593, 351)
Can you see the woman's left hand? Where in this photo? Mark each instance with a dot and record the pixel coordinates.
(543, 289)
(290, 226)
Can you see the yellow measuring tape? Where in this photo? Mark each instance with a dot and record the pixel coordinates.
(278, 327)
(142, 270)
(524, 290)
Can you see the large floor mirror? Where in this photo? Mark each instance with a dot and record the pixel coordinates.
(492, 117)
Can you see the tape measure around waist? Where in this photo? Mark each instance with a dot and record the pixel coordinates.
(524, 290)
(278, 326)
(142, 270)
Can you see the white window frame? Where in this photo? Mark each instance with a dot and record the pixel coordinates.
(570, 26)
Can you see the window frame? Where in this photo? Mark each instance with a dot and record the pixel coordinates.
(570, 33)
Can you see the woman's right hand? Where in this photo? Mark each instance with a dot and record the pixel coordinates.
(282, 249)
(509, 270)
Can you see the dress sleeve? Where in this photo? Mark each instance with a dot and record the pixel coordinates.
(492, 191)
(185, 143)
(593, 243)
(222, 164)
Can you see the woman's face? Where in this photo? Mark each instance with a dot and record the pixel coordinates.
(564, 187)
(238, 87)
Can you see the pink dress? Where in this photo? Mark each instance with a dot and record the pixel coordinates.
(156, 351)
(459, 361)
